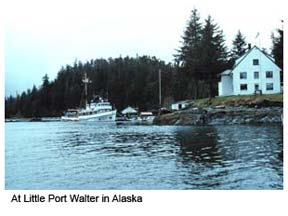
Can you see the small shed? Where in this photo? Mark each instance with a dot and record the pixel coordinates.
(129, 110)
(180, 105)
(225, 86)
(130, 113)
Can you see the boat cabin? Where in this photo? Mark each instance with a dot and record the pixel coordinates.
(72, 113)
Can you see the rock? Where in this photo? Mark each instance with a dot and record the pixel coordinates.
(259, 103)
(222, 116)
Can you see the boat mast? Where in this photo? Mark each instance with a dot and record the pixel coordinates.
(86, 81)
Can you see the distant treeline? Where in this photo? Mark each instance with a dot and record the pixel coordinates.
(124, 81)
(134, 81)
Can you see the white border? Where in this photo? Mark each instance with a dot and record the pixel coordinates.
(154, 202)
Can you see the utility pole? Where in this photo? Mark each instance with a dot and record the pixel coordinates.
(160, 92)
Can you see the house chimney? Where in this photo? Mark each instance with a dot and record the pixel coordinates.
(249, 46)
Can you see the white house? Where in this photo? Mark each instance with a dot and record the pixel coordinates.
(179, 105)
(253, 72)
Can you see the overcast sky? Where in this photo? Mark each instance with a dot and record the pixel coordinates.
(42, 36)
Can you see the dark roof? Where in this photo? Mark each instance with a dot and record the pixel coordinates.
(183, 101)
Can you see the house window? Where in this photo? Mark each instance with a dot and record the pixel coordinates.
(255, 61)
(256, 87)
(243, 75)
(269, 86)
(243, 87)
(256, 75)
(269, 74)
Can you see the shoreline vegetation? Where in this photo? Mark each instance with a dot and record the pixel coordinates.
(230, 110)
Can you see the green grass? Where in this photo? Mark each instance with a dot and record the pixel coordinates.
(232, 100)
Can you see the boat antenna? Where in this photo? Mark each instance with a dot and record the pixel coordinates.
(86, 81)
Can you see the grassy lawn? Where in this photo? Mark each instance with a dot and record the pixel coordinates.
(241, 99)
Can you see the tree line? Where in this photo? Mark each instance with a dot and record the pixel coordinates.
(133, 81)
(124, 81)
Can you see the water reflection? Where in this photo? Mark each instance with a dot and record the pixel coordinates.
(198, 144)
(250, 143)
(228, 157)
(121, 141)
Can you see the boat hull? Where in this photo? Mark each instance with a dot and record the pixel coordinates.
(109, 116)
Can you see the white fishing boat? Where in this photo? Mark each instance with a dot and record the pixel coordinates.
(97, 110)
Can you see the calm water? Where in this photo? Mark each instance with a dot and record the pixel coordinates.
(65, 155)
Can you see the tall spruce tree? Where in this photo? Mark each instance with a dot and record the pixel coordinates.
(45, 98)
(201, 57)
(239, 46)
(277, 47)
(277, 50)
(188, 55)
(213, 54)
(45, 80)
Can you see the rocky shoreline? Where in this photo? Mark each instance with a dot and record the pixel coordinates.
(263, 112)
